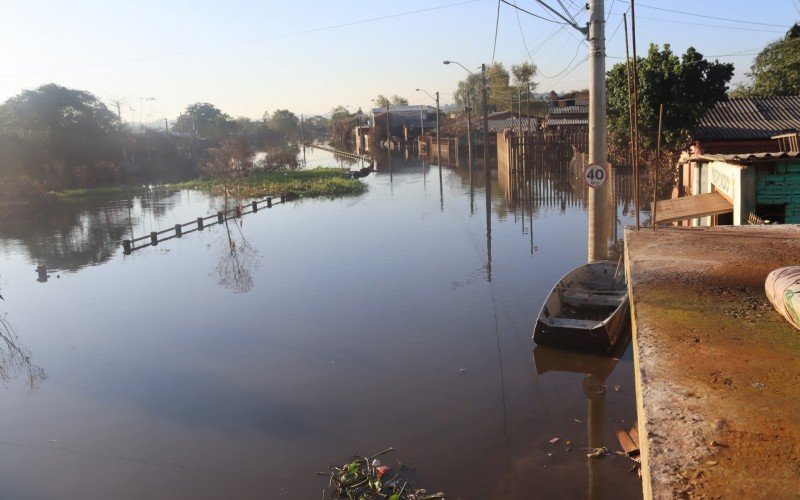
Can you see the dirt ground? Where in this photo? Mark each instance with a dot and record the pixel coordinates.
(717, 369)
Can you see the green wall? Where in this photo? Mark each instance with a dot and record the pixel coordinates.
(781, 187)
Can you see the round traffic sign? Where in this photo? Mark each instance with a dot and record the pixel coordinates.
(595, 175)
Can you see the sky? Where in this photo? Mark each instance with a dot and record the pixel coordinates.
(247, 57)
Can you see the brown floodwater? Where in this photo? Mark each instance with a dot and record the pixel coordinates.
(401, 317)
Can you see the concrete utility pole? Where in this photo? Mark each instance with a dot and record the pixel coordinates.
(438, 135)
(388, 130)
(485, 112)
(469, 127)
(598, 152)
(484, 98)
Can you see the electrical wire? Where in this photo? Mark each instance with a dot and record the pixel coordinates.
(496, 29)
(709, 17)
(244, 42)
(565, 69)
(676, 21)
(532, 14)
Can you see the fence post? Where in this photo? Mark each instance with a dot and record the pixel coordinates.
(178, 230)
(220, 217)
(255, 206)
(199, 223)
(269, 202)
(154, 238)
(126, 246)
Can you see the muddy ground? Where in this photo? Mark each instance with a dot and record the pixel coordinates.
(718, 370)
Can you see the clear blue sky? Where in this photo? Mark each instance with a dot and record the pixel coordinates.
(250, 56)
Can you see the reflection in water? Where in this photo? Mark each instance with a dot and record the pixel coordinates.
(15, 359)
(597, 369)
(238, 259)
(70, 235)
(551, 178)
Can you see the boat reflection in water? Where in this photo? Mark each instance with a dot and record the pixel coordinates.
(597, 369)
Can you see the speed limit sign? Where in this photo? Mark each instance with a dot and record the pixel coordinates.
(595, 175)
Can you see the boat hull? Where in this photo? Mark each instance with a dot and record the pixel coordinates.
(599, 339)
(580, 312)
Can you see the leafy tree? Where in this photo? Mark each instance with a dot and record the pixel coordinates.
(203, 119)
(51, 132)
(340, 126)
(382, 101)
(399, 101)
(284, 122)
(776, 69)
(688, 87)
(523, 75)
(499, 89)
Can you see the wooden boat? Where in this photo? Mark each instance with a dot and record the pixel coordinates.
(586, 310)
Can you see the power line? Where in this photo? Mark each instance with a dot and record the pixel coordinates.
(661, 19)
(531, 13)
(244, 42)
(567, 12)
(496, 28)
(565, 69)
(709, 17)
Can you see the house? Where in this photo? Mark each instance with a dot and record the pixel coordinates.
(746, 125)
(405, 122)
(580, 98)
(725, 189)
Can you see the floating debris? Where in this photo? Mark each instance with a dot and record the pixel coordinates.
(364, 478)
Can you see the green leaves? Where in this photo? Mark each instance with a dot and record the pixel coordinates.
(688, 87)
(776, 69)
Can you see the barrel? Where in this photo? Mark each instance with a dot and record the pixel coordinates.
(783, 290)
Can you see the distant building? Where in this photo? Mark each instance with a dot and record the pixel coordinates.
(405, 122)
(580, 98)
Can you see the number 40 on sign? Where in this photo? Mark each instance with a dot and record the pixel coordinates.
(595, 175)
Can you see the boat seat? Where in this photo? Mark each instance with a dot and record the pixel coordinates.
(577, 298)
(572, 323)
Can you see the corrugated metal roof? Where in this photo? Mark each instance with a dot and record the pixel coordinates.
(560, 122)
(499, 125)
(569, 110)
(749, 118)
(741, 158)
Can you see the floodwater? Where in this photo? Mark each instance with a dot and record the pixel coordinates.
(401, 317)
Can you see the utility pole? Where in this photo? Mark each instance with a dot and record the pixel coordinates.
(421, 123)
(166, 126)
(598, 246)
(485, 123)
(438, 135)
(469, 128)
(388, 128)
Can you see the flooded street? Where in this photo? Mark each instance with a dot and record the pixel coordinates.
(401, 317)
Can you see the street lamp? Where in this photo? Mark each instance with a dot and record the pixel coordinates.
(438, 136)
(485, 111)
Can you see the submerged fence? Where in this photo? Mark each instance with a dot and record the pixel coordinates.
(178, 231)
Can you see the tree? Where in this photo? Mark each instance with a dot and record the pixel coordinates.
(399, 101)
(204, 120)
(340, 126)
(51, 132)
(499, 89)
(687, 87)
(523, 75)
(382, 101)
(776, 69)
(284, 122)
